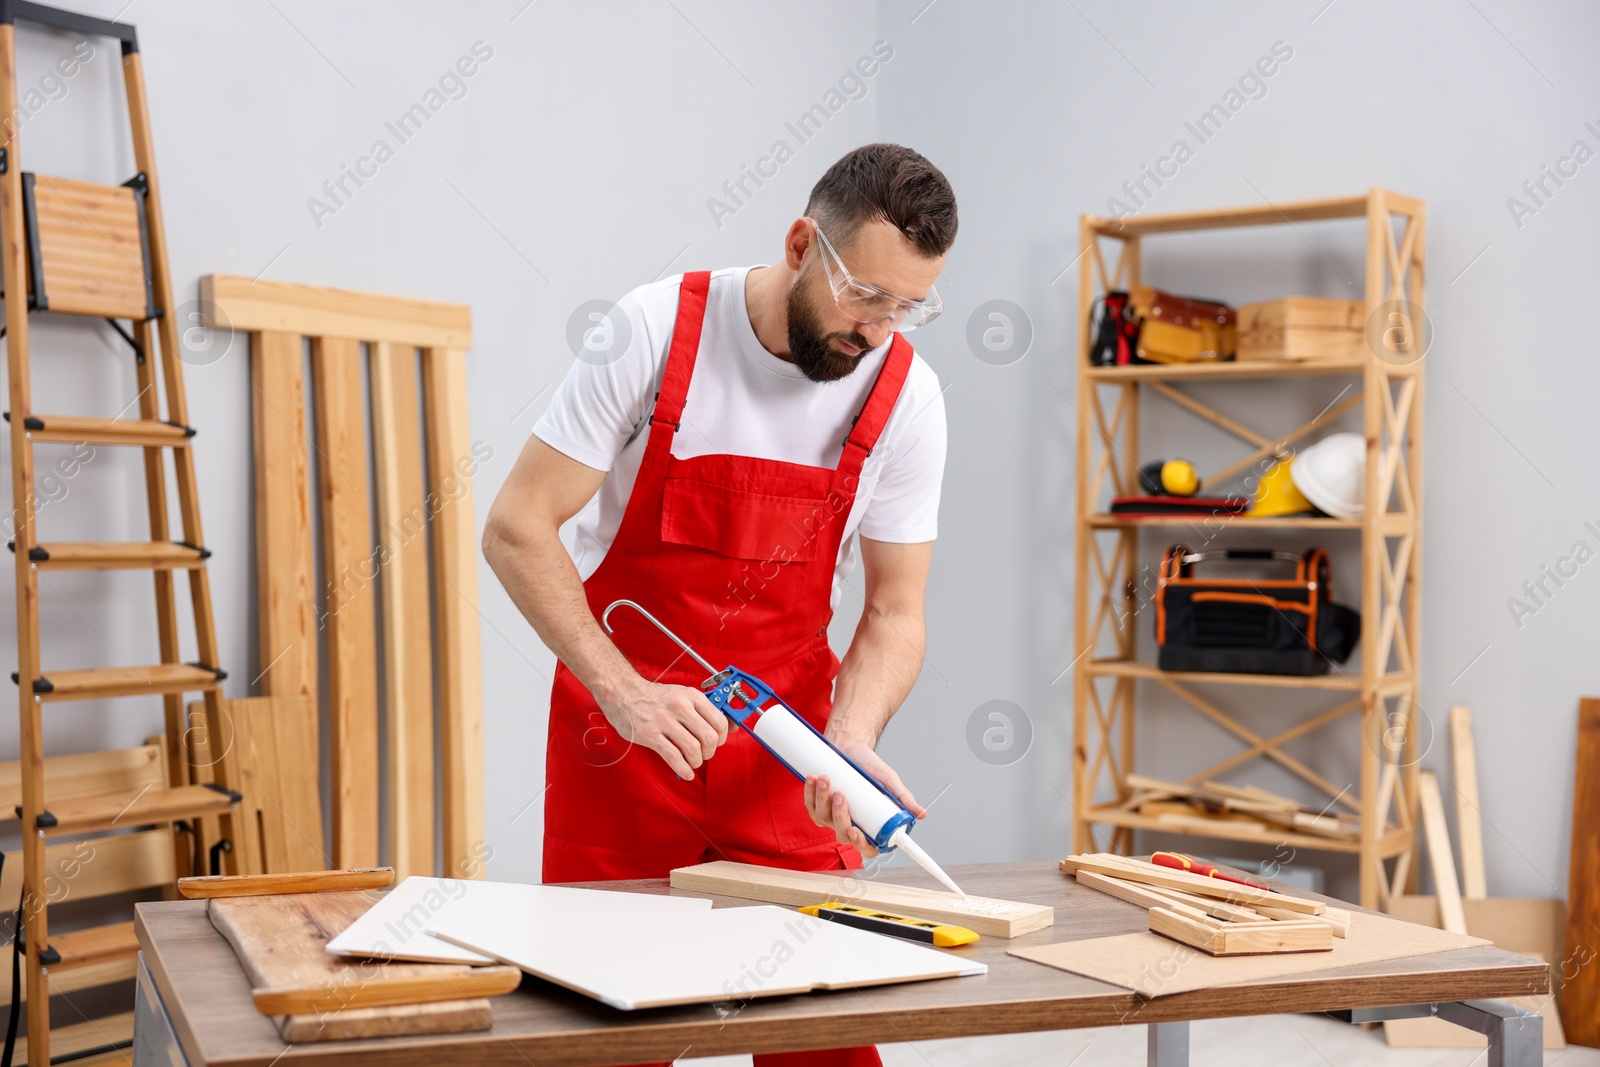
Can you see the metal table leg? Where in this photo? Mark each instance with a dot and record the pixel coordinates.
(1168, 1044)
(154, 1042)
(1516, 1035)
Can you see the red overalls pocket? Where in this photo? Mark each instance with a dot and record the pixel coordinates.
(742, 523)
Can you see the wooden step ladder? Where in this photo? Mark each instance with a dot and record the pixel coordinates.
(78, 248)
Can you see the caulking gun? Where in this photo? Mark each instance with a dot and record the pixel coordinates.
(795, 743)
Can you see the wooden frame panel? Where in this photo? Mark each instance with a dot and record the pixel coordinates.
(414, 433)
(227, 302)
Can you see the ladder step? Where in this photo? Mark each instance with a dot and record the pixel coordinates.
(72, 429)
(115, 811)
(116, 555)
(78, 1039)
(96, 682)
(97, 944)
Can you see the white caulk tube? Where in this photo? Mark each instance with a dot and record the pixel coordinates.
(885, 822)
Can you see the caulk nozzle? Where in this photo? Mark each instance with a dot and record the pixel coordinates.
(901, 839)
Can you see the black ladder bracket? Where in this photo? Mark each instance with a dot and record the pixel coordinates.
(45, 821)
(231, 794)
(188, 431)
(38, 553)
(205, 553)
(216, 854)
(41, 684)
(218, 671)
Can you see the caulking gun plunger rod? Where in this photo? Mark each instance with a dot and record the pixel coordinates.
(795, 743)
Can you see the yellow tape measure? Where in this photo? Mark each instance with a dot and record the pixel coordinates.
(940, 935)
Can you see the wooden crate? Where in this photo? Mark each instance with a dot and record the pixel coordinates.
(1302, 328)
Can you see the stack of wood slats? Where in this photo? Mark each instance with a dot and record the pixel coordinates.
(1218, 917)
(1242, 807)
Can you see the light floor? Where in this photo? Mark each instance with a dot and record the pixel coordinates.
(1262, 1041)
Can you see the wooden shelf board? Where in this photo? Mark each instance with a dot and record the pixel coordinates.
(83, 815)
(1248, 368)
(1106, 520)
(95, 944)
(1338, 207)
(1142, 669)
(1391, 843)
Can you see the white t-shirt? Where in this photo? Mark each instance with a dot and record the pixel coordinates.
(743, 401)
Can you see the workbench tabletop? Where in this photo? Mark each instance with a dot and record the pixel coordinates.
(207, 996)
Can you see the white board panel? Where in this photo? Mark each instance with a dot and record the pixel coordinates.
(632, 961)
(397, 926)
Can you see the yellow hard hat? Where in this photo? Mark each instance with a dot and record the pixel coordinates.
(1277, 494)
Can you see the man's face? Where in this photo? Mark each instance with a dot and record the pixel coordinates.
(825, 343)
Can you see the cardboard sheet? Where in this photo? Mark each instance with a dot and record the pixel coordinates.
(395, 928)
(1154, 966)
(729, 954)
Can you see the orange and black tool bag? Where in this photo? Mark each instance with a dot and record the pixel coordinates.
(1251, 625)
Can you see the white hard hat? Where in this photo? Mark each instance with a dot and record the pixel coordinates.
(1333, 474)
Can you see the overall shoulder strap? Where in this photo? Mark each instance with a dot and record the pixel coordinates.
(869, 424)
(680, 358)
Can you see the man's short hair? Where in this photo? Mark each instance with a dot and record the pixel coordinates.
(889, 182)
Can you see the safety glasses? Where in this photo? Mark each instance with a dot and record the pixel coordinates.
(866, 303)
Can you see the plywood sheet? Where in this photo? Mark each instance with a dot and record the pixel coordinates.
(1153, 966)
(725, 954)
(996, 918)
(396, 926)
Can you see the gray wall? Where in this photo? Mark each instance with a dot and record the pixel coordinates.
(579, 163)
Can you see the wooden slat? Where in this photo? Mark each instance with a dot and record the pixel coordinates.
(384, 992)
(90, 248)
(261, 885)
(85, 870)
(1580, 994)
(406, 631)
(987, 916)
(1339, 207)
(451, 464)
(71, 429)
(118, 555)
(287, 604)
(1168, 878)
(1441, 855)
(84, 773)
(348, 563)
(95, 944)
(1469, 817)
(82, 815)
(314, 311)
(97, 682)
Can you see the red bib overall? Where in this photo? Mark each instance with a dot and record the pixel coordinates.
(736, 555)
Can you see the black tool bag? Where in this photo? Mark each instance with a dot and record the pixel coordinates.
(1251, 625)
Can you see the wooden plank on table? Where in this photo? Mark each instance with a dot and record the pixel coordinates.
(281, 941)
(1440, 854)
(406, 629)
(230, 302)
(287, 650)
(349, 562)
(998, 918)
(1469, 816)
(1240, 939)
(452, 462)
(1169, 878)
(257, 885)
(1147, 896)
(1580, 1003)
(385, 992)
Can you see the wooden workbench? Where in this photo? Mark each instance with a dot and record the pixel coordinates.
(194, 1006)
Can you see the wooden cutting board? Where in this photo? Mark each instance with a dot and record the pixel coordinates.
(281, 941)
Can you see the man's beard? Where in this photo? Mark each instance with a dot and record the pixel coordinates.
(811, 349)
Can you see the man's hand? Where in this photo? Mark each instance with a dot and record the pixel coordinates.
(830, 809)
(676, 721)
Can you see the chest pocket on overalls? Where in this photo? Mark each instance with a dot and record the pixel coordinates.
(743, 524)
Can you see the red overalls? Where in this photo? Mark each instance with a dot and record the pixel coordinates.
(736, 555)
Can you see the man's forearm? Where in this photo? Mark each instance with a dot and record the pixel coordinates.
(877, 673)
(540, 577)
